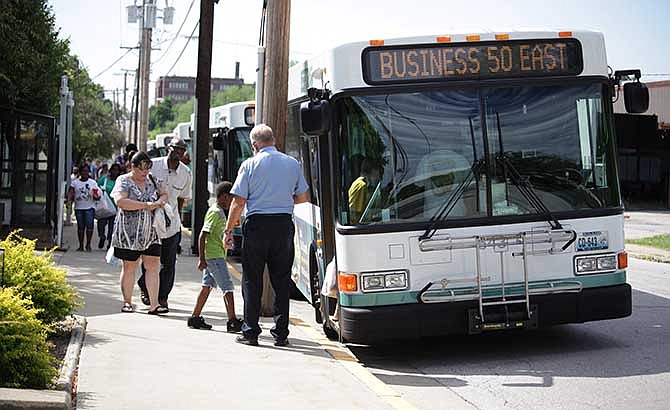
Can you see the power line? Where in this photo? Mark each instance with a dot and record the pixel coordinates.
(112, 65)
(183, 49)
(176, 35)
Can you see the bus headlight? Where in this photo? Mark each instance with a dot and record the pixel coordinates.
(586, 265)
(373, 282)
(384, 281)
(395, 281)
(606, 262)
(595, 264)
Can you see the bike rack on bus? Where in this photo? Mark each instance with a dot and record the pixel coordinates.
(504, 294)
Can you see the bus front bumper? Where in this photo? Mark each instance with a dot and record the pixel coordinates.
(411, 321)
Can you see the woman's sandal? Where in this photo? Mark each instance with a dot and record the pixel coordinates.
(127, 308)
(158, 311)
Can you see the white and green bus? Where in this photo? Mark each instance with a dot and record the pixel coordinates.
(229, 126)
(460, 184)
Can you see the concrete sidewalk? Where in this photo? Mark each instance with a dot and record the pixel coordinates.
(138, 361)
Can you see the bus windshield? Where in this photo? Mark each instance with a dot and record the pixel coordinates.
(405, 155)
(242, 148)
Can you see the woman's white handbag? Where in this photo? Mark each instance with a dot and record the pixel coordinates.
(163, 218)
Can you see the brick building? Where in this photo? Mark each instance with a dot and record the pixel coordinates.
(183, 88)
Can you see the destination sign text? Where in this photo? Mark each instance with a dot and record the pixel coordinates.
(466, 61)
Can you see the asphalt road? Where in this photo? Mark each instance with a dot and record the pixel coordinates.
(616, 364)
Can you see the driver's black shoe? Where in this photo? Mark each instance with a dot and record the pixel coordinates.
(247, 341)
(281, 342)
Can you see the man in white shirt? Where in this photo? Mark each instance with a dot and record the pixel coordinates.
(177, 178)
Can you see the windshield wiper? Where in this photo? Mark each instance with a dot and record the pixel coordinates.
(522, 183)
(446, 208)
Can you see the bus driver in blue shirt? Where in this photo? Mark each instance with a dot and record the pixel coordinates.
(267, 185)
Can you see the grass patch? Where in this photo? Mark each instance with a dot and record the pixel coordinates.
(658, 241)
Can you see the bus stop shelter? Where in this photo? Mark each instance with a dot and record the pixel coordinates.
(27, 171)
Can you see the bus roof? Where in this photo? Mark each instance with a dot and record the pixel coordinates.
(230, 115)
(182, 130)
(343, 67)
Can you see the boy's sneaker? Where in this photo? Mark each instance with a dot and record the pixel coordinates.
(198, 322)
(234, 325)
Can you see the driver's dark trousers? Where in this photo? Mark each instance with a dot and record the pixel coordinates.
(267, 239)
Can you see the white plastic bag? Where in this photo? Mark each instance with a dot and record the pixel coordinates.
(329, 287)
(111, 259)
(104, 208)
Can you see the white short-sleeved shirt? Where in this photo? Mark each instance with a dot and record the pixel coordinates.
(83, 193)
(178, 183)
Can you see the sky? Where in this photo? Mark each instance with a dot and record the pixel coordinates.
(636, 33)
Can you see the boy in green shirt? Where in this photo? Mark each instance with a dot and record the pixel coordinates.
(212, 262)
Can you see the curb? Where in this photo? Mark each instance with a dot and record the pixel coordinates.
(61, 398)
(71, 360)
(649, 257)
(647, 253)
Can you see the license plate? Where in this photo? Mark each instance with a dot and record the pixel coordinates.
(592, 241)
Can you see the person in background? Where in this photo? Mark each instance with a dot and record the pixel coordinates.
(125, 157)
(93, 170)
(212, 264)
(97, 169)
(177, 178)
(68, 202)
(104, 169)
(84, 191)
(267, 185)
(134, 235)
(106, 183)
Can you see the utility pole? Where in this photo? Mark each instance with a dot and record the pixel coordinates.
(275, 92)
(126, 118)
(145, 71)
(146, 14)
(202, 98)
(275, 85)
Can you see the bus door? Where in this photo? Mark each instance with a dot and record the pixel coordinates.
(307, 218)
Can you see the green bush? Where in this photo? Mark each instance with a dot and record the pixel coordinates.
(36, 276)
(25, 360)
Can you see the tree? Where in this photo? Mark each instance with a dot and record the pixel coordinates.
(95, 132)
(233, 94)
(33, 57)
(32, 60)
(161, 113)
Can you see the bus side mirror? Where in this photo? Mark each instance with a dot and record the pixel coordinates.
(636, 97)
(315, 117)
(250, 116)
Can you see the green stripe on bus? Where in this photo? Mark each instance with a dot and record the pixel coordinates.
(400, 298)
